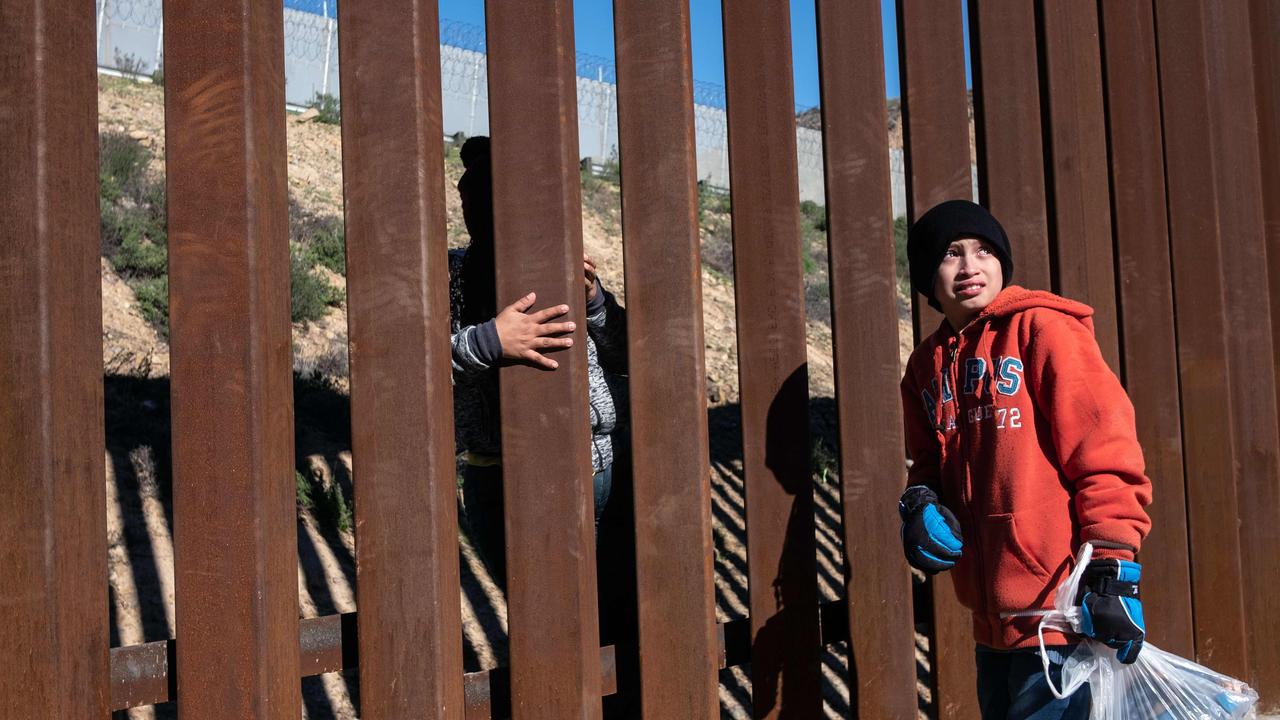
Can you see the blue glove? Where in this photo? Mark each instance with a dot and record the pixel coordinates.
(1110, 607)
(930, 534)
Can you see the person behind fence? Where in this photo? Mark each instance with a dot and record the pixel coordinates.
(1023, 447)
(485, 336)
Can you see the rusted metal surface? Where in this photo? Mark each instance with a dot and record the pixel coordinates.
(233, 497)
(401, 394)
(772, 367)
(1265, 23)
(1250, 354)
(1010, 150)
(53, 516)
(488, 692)
(935, 119)
(865, 337)
(328, 644)
(547, 485)
(1197, 251)
(1080, 216)
(664, 325)
(936, 136)
(1146, 300)
(143, 674)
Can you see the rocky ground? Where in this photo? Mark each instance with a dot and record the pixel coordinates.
(136, 362)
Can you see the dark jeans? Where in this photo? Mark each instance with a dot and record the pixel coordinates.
(482, 505)
(1011, 686)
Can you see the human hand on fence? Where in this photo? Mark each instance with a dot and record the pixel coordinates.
(930, 533)
(523, 334)
(1110, 607)
(590, 277)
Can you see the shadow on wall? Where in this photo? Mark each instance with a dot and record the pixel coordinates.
(141, 521)
(140, 524)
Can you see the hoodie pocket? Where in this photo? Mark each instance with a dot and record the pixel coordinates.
(1015, 579)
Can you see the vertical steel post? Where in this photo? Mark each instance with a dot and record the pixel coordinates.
(234, 532)
(675, 578)
(772, 360)
(1265, 22)
(1078, 182)
(936, 133)
(546, 462)
(1010, 150)
(53, 577)
(1197, 248)
(1145, 285)
(935, 119)
(401, 396)
(1250, 354)
(882, 672)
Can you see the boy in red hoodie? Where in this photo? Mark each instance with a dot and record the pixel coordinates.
(1023, 447)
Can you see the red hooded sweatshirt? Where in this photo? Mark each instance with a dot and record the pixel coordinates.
(1028, 437)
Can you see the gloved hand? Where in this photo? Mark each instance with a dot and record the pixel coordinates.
(930, 534)
(1111, 610)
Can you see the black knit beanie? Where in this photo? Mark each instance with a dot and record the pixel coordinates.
(934, 232)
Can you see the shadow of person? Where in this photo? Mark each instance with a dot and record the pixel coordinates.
(785, 670)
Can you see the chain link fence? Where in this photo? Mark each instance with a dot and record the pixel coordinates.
(131, 40)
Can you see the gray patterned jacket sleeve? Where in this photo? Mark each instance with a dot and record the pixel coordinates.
(475, 348)
(475, 374)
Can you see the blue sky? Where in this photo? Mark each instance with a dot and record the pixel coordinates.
(593, 30)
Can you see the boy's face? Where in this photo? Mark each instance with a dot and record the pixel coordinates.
(968, 279)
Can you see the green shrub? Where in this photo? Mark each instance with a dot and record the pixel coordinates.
(329, 106)
(810, 265)
(122, 166)
(310, 294)
(153, 302)
(328, 246)
(138, 256)
(900, 254)
(334, 507)
(342, 512)
(712, 200)
(133, 208)
(717, 252)
(133, 224)
(320, 238)
(817, 298)
(824, 461)
(303, 490)
(815, 215)
(129, 64)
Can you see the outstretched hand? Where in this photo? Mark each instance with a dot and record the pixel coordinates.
(524, 335)
(590, 273)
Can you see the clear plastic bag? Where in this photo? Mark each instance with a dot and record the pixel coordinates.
(1157, 686)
